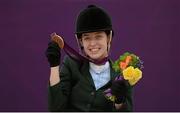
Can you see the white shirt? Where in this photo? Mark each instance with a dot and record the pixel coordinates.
(100, 74)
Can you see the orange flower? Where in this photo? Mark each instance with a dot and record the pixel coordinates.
(128, 59)
(123, 65)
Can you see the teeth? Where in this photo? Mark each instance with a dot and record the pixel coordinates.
(93, 50)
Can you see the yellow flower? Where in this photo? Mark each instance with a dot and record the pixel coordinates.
(132, 75)
(112, 98)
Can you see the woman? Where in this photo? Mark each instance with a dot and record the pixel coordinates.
(79, 85)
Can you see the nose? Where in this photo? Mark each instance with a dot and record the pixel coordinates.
(92, 42)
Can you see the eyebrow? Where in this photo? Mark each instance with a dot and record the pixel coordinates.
(85, 34)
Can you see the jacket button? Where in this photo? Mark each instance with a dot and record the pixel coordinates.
(88, 105)
(92, 93)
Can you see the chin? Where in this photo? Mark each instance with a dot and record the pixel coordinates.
(95, 57)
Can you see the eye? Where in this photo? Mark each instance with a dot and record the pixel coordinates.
(99, 37)
(86, 38)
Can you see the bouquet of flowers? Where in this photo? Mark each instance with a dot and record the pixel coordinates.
(129, 66)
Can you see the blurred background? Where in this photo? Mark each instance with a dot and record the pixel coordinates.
(148, 28)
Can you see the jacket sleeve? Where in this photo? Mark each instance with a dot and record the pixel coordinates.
(59, 93)
(128, 104)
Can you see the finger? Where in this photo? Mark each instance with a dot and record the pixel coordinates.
(53, 45)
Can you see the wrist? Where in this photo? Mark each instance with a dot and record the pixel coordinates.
(54, 75)
(120, 100)
(118, 106)
(54, 64)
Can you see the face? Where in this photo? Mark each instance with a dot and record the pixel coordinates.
(95, 44)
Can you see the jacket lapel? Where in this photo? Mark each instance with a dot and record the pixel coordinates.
(85, 72)
(113, 74)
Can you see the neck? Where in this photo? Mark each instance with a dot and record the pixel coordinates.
(99, 62)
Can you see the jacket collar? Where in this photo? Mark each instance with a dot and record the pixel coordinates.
(85, 71)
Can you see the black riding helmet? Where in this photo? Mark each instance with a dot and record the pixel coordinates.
(93, 19)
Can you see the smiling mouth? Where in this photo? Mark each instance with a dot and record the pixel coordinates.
(94, 50)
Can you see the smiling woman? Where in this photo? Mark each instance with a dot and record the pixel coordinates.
(80, 85)
(94, 39)
(95, 44)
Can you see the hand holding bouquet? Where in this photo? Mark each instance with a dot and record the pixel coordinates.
(129, 66)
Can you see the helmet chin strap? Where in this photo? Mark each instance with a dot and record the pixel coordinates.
(109, 42)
